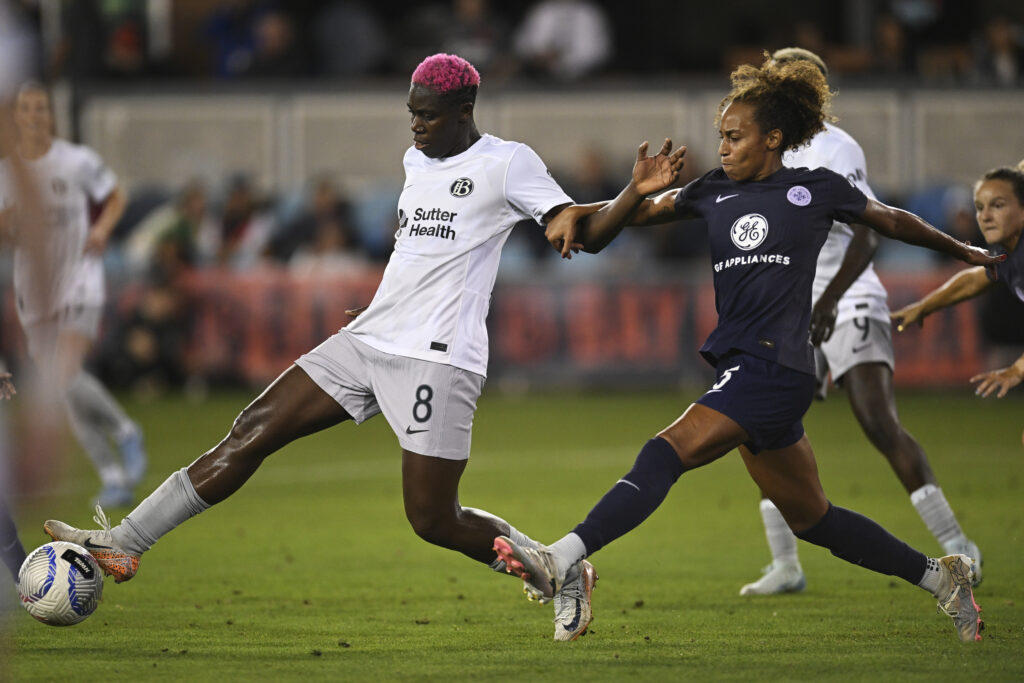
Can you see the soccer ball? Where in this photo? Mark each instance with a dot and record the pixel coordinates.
(60, 583)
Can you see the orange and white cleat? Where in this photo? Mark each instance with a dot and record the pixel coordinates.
(113, 560)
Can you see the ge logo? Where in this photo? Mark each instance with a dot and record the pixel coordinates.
(463, 187)
(749, 231)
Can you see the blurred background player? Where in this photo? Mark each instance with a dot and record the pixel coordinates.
(999, 202)
(60, 309)
(767, 224)
(850, 330)
(418, 353)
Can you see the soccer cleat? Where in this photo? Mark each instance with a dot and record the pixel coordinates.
(778, 578)
(114, 561)
(535, 566)
(969, 548)
(133, 456)
(114, 497)
(956, 599)
(573, 613)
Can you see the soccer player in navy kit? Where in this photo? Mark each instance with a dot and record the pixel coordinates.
(766, 224)
(852, 338)
(417, 353)
(999, 203)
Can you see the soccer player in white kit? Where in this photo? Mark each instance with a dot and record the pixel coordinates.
(60, 297)
(417, 353)
(851, 332)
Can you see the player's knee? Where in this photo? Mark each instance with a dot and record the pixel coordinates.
(431, 525)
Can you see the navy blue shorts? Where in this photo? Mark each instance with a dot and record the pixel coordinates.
(767, 399)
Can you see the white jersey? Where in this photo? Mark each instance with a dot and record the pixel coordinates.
(68, 177)
(454, 216)
(835, 149)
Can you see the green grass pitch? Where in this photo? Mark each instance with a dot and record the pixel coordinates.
(311, 572)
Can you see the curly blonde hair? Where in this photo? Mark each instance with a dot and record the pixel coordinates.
(791, 96)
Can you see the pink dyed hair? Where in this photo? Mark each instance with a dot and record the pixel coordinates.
(444, 73)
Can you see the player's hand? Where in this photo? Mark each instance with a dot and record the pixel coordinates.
(976, 256)
(7, 389)
(654, 174)
(1003, 380)
(96, 242)
(823, 319)
(908, 315)
(561, 230)
(354, 312)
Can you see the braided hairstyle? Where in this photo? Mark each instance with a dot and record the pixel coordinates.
(791, 96)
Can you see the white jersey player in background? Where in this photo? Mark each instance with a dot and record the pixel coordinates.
(417, 353)
(59, 297)
(852, 334)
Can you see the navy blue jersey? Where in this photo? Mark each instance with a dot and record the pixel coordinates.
(765, 237)
(1011, 271)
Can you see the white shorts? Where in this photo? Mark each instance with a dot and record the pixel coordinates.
(853, 342)
(41, 336)
(429, 406)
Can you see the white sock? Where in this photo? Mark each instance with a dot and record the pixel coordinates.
(932, 579)
(781, 540)
(567, 551)
(172, 503)
(931, 504)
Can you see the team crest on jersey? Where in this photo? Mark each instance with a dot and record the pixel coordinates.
(749, 231)
(463, 187)
(799, 195)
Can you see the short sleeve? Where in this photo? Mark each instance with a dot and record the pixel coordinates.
(95, 176)
(849, 162)
(848, 202)
(686, 199)
(529, 187)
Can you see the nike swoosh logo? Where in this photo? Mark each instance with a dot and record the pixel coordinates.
(410, 430)
(720, 198)
(89, 544)
(572, 625)
(858, 349)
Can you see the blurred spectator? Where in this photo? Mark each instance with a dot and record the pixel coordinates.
(999, 53)
(349, 39)
(332, 252)
(326, 208)
(230, 30)
(174, 235)
(102, 40)
(477, 34)
(892, 54)
(276, 53)
(564, 39)
(245, 227)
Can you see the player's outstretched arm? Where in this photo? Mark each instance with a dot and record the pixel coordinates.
(912, 229)
(1003, 380)
(631, 207)
(964, 285)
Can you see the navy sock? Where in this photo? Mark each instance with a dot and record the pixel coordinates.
(855, 538)
(11, 550)
(634, 497)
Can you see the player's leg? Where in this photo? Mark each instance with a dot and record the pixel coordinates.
(869, 387)
(12, 552)
(790, 477)
(700, 436)
(291, 407)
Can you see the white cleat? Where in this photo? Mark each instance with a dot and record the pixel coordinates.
(535, 566)
(573, 612)
(113, 560)
(956, 599)
(970, 549)
(778, 578)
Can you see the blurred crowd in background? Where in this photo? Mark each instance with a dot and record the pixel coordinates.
(957, 41)
(320, 229)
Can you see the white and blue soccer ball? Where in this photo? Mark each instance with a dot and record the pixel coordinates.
(60, 583)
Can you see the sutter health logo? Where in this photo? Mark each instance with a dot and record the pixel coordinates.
(749, 231)
(427, 223)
